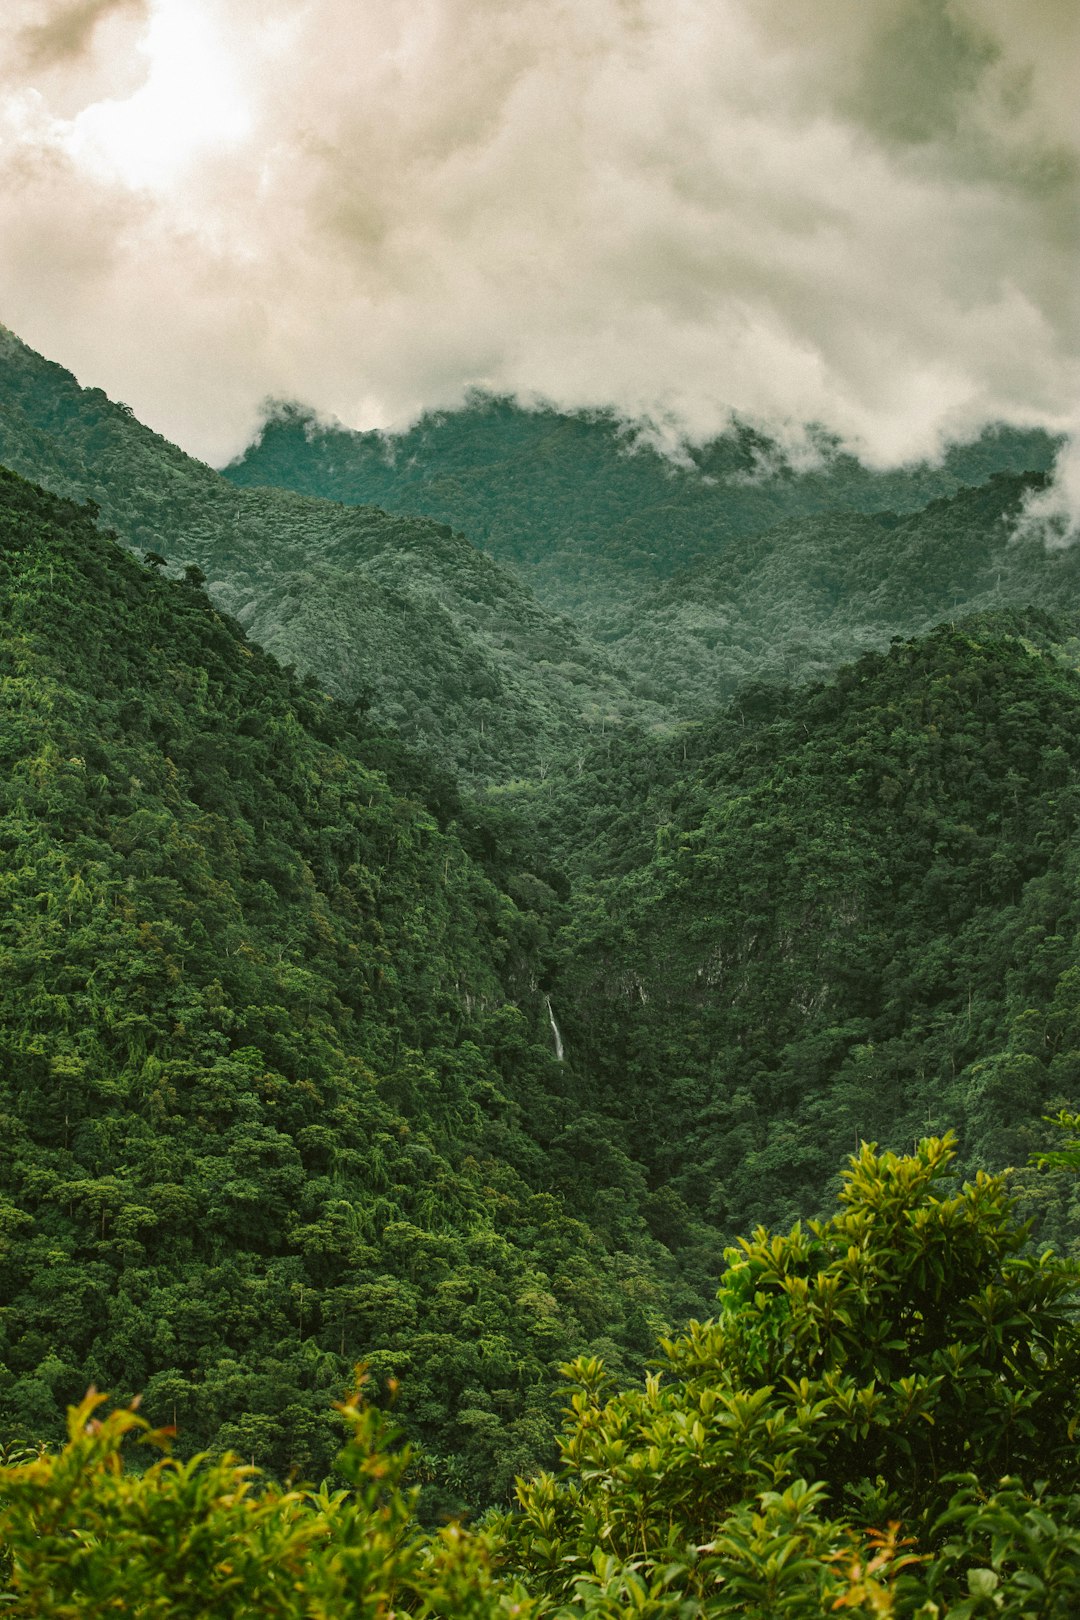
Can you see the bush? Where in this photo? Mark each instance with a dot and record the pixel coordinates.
(796, 1448)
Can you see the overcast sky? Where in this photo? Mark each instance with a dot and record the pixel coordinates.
(861, 213)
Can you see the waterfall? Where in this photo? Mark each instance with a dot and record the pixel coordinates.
(554, 1029)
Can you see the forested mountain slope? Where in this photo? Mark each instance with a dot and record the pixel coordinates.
(276, 1079)
(841, 912)
(395, 611)
(794, 603)
(276, 990)
(586, 510)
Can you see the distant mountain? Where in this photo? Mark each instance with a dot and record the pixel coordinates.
(795, 602)
(587, 510)
(400, 613)
(699, 576)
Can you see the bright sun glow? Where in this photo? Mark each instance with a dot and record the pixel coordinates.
(189, 102)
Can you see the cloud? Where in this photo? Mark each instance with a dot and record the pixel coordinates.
(864, 217)
(1053, 514)
(66, 32)
(78, 52)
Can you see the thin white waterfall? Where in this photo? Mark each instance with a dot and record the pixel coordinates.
(554, 1029)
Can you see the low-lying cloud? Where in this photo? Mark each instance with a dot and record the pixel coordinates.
(859, 216)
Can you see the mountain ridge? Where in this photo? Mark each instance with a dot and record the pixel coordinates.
(569, 498)
(700, 575)
(387, 609)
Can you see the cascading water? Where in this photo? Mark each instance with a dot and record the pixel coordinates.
(554, 1029)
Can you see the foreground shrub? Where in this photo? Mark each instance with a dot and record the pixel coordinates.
(804, 1450)
(86, 1535)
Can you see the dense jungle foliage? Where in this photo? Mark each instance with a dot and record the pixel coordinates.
(879, 1420)
(369, 1014)
(276, 1080)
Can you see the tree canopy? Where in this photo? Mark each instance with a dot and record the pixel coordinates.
(880, 1419)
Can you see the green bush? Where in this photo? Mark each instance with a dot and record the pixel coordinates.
(87, 1535)
(906, 1357)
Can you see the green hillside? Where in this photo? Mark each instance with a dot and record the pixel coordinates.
(276, 1078)
(844, 912)
(399, 612)
(583, 506)
(795, 602)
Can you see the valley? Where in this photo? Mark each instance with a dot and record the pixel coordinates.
(435, 960)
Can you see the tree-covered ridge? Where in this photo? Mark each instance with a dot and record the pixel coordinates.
(396, 611)
(702, 576)
(275, 1073)
(795, 602)
(879, 1420)
(589, 511)
(845, 911)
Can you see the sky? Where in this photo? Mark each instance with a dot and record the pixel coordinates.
(860, 216)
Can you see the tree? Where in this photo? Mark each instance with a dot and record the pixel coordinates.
(1066, 1157)
(863, 1362)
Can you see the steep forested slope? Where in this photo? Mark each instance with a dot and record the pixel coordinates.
(399, 612)
(588, 512)
(275, 1074)
(842, 912)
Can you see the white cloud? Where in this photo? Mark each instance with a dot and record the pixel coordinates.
(1053, 514)
(861, 216)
